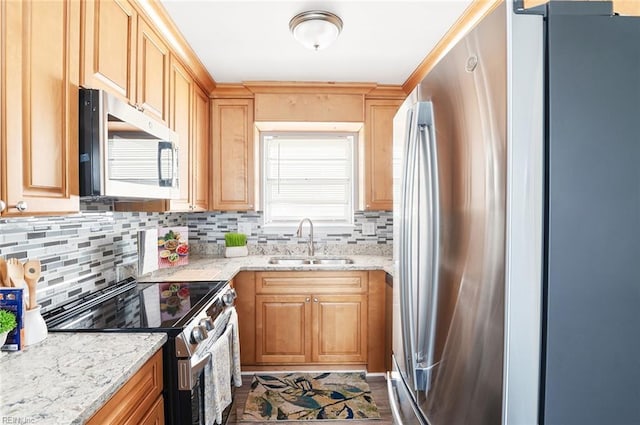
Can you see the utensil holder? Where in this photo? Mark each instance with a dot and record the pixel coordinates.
(35, 328)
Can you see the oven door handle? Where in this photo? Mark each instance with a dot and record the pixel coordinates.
(197, 368)
(187, 374)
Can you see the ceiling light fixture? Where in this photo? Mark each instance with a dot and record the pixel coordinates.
(315, 29)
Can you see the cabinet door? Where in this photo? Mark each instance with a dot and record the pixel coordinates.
(339, 328)
(378, 154)
(138, 401)
(152, 71)
(109, 47)
(41, 107)
(244, 284)
(283, 328)
(233, 154)
(155, 416)
(201, 142)
(181, 90)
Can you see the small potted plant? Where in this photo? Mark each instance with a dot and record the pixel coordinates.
(7, 324)
(236, 245)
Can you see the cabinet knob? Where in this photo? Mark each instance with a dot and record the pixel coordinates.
(21, 206)
(2, 205)
(307, 300)
(315, 300)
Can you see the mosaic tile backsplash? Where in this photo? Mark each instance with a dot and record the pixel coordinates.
(79, 253)
(211, 226)
(98, 247)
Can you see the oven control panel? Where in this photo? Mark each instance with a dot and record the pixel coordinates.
(202, 325)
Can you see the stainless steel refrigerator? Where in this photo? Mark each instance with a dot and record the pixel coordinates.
(517, 225)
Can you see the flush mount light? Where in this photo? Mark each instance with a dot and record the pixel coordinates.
(315, 29)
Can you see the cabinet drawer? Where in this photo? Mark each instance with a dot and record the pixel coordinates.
(296, 282)
(139, 394)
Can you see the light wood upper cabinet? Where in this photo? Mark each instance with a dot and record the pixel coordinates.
(232, 154)
(180, 101)
(201, 143)
(309, 107)
(378, 153)
(152, 73)
(40, 85)
(109, 29)
(123, 55)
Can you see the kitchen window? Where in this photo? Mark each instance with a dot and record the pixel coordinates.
(308, 175)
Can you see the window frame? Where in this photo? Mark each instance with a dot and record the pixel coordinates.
(321, 226)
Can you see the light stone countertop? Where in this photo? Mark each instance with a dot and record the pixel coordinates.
(68, 377)
(228, 267)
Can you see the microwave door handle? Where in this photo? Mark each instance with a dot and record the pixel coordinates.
(167, 180)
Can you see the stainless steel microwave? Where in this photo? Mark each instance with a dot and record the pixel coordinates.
(123, 152)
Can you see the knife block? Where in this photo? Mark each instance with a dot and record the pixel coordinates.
(35, 328)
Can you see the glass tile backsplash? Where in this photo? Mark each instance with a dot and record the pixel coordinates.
(97, 247)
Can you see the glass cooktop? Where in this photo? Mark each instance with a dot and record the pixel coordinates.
(131, 306)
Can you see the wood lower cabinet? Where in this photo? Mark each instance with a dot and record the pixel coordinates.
(339, 328)
(39, 111)
(311, 318)
(309, 328)
(283, 328)
(139, 401)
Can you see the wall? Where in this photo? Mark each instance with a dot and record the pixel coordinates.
(84, 252)
(206, 234)
(81, 252)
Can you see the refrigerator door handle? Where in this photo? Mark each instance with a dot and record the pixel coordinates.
(407, 277)
(428, 298)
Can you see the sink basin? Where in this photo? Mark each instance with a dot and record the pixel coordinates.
(297, 261)
(334, 261)
(289, 261)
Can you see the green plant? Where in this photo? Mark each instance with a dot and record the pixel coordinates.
(235, 239)
(7, 321)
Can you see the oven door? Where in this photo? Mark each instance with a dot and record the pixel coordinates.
(192, 384)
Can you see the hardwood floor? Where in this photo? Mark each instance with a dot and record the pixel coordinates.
(378, 386)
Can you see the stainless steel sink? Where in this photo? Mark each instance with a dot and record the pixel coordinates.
(289, 261)
(334, 261)
(298, 261)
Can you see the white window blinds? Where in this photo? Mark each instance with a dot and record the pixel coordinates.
(308, 175)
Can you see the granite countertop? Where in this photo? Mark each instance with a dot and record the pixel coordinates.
(68, 377)
(227, 268)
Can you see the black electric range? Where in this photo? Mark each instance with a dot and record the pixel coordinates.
(127, 305)
(192, 314)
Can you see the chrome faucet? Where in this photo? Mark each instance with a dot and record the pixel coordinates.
(299, 234)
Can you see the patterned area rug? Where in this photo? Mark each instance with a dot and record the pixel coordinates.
(302, 396)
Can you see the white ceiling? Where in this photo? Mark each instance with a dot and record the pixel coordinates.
(381, 41)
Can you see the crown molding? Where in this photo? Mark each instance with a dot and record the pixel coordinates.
(156, 14)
